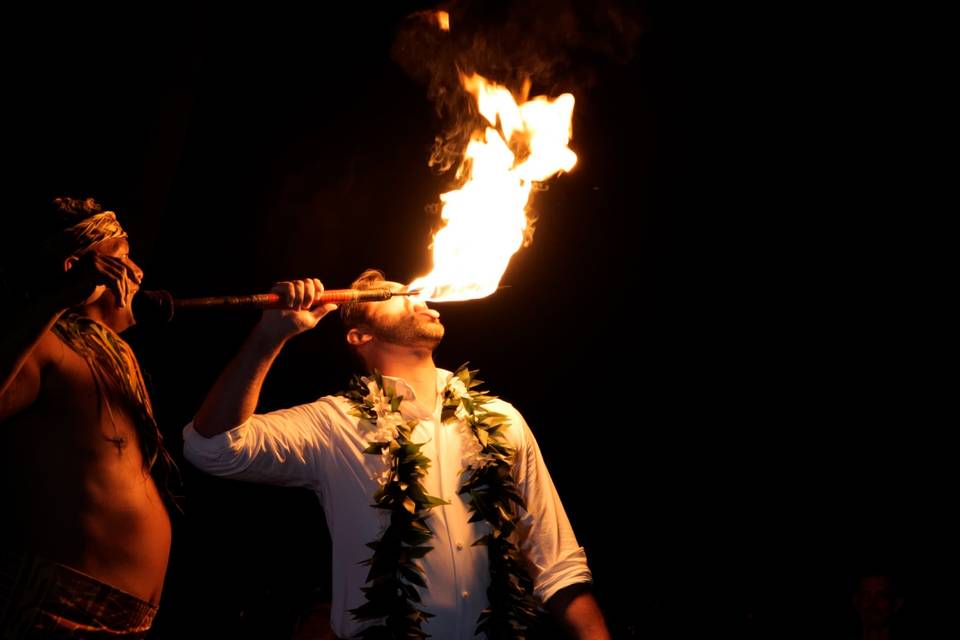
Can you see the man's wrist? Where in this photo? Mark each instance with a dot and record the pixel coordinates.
(267, 337)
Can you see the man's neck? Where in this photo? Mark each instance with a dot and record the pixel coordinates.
(95, 312)
(415, 367)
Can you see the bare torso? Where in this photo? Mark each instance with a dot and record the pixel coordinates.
(72, 463)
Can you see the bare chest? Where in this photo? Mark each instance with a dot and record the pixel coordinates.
(80, 413)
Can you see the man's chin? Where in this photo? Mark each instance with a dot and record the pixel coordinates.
(434, 333)
(421, 341)
(123, 323)
(419, 335)
(122, 319)
(427, 341)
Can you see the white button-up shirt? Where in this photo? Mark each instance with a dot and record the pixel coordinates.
(318, 445)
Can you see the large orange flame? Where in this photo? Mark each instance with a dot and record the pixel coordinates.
(485, 221)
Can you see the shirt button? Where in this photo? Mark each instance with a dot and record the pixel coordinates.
(465, 595)
(459, 546)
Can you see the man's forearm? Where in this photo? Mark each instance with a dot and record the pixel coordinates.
(234, 397)
(578, 611)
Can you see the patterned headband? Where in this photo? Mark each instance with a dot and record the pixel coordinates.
(88, 232)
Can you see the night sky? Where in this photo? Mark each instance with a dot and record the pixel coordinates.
(724, 423)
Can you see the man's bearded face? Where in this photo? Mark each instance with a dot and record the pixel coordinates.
(405, 321)
(408, 329)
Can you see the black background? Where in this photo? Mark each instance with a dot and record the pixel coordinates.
(697, 335)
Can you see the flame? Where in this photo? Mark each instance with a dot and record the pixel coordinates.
(485, 221)
(443, 20)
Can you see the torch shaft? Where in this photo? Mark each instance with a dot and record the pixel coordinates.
(273, 301)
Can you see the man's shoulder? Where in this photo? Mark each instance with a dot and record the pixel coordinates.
(501, 406)
(334, 407)
(333, 400)
(51, 355)
(515, 422)
(50, 349)
(52, 374)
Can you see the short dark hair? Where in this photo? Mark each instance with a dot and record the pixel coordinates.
(355, 313)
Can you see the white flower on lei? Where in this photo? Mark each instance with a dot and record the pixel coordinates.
(387, 426)
(472, 455)
(456, 387)
(385, 474)
(386, 429)
(381, 404)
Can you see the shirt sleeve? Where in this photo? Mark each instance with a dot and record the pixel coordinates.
(284, 447)
(545, 535)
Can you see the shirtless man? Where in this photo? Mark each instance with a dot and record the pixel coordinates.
(88, 535)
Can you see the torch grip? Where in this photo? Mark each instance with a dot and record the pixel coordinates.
(273, 301)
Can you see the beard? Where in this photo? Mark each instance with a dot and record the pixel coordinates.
(410, 331)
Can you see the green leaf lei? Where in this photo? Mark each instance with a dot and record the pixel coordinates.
(394, 576)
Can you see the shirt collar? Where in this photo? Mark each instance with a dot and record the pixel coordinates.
(400, 387)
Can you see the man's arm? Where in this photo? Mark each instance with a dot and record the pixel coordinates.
(23, 331)
(233, 398)
(562, 578)
(19, 369)
(577, 610)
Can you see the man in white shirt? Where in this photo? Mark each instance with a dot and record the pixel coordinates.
(326, 445)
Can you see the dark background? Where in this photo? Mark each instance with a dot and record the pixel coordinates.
(696, 335)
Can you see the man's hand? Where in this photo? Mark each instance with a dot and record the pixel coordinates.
(82, 281)
(234, 397)
(299, 296)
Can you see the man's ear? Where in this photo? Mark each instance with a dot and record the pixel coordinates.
(69, 262)
(357, 337)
